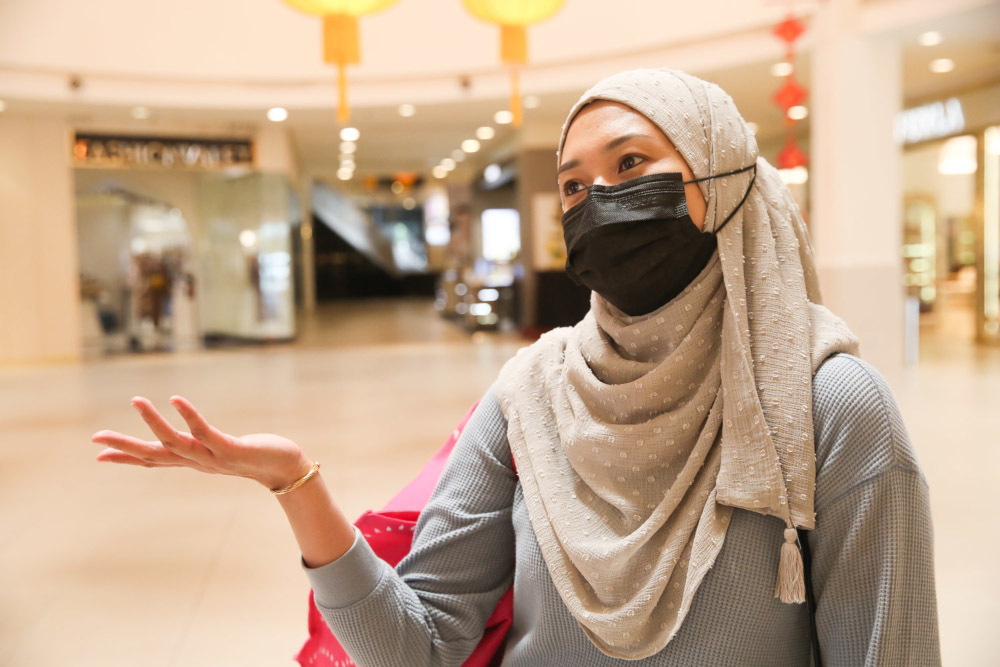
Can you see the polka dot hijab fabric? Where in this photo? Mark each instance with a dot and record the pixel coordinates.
(635, 437)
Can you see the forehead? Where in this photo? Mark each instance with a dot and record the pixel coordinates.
(598, 121)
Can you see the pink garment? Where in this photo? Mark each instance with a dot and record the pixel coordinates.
(389, 532)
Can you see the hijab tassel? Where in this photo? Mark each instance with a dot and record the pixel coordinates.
(791, 582)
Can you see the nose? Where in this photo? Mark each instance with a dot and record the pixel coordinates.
(600, 180)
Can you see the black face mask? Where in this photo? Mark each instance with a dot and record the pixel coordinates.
(635, 244)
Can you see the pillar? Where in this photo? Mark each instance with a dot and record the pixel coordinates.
(856, 214)
(40, 308)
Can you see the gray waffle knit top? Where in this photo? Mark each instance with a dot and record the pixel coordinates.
(872, 560)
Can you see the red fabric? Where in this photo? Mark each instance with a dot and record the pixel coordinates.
(389, 532)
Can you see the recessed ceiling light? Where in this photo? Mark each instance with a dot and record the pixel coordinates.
(141, 113)
(247, 238)
(407, 110)
(531, 101)
(350, 134)
(929, 38)
(470, 145)
(347, 163)
(345, 174)
(503, 117)
(753, 127)
(783, 68)
(492, 172)
(458, 155)
(348, 147)
(439, 172)
(277, 114)
(798, 112)
(485, 133)
(448, 163)
(942, 65)
(409, 203)
(3, 105)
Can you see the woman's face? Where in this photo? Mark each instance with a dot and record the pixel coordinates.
(608, 143)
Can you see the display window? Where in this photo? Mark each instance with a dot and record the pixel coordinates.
(950, 243)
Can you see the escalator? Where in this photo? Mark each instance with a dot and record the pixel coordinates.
(358, 255)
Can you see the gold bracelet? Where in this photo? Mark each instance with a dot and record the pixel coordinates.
(294, 485)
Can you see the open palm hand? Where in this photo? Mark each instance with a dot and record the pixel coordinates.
(269, 459)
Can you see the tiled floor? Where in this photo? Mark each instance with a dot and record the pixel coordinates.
(115, 566)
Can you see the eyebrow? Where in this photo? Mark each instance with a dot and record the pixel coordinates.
(614, 143)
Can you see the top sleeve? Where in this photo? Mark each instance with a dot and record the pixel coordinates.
(432, 608)
(873, 546)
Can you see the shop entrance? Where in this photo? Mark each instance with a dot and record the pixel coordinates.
(950, 241)
(136, 274)
(939, 237)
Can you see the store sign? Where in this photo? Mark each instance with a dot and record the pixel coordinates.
(167, 152)
(930, 121)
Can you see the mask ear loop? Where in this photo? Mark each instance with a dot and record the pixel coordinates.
(728, 173)
(745, 194)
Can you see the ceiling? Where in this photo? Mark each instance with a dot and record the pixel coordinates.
(182, 51)
(261, 41)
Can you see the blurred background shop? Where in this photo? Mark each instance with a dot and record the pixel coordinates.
(950, 214)
(176, 256)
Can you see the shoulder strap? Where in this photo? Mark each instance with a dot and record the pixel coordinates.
(810, 600)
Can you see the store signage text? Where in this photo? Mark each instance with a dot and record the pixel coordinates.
(930, 121)
(167, 152)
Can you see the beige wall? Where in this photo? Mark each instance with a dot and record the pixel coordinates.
(39, 286)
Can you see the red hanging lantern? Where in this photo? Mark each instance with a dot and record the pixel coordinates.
(790, 94)
(789, 30)
(792, 156)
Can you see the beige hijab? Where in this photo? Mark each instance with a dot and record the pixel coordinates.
(635, 437)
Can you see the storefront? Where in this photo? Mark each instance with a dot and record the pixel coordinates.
(479, 283)
(951, 230)
(183, 242)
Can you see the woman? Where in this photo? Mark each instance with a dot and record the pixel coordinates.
(646, 470)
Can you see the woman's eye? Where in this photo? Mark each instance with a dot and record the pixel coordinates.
(628, 162)
(570, 188)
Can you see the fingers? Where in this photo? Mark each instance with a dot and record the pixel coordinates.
(115, 456)
(182, 444)
(127, 449)
(204, 432)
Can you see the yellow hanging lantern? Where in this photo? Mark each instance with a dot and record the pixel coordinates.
(341, 44)
(513, 16)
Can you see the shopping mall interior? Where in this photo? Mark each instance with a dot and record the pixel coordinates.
(222, 201)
